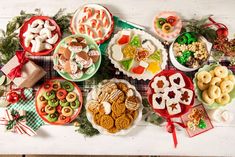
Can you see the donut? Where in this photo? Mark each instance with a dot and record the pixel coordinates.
(204, 76)
(202, 86)
(226, 86)
(230, 77)
(223, 99)
(212, 72)
(215, 81)
(214, 92)
(221, 71)
(206, 98)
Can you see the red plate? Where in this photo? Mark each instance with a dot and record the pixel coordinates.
(184, 108)
(24, 28)
(76, 112)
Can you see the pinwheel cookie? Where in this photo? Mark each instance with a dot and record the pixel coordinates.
(115, 108)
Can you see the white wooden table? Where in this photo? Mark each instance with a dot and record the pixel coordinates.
(146, 138)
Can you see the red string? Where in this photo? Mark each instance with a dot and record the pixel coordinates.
(21, 90)
(171, 129)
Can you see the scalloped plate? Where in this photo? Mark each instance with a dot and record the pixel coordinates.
(143, 35)
(103, 130)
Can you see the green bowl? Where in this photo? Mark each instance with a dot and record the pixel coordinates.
(199, 92)
(91, 43)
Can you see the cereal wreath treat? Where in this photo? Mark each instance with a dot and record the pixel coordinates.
(216, 85)
(114, 107)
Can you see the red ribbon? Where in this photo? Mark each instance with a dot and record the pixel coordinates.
(219, 25)
(171, 129)
(21, 90)
(16, 72)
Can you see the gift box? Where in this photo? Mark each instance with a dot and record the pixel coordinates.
(23, 72)
(15, 121)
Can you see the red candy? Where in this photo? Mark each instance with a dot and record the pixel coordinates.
(12, 97)
(172, 20)
(138, 70)
(124, 39)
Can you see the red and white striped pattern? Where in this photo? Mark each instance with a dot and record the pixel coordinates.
(20, 126)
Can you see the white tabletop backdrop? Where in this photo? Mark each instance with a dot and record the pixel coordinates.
(146, 138)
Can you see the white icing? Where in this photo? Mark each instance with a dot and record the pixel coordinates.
(144, 64)
(73, 67)
(75, 49)
(77, 75)
(107, 107)
(46, 31)
(53, 39)
(48, 26)
(117, 52)
(177, 76)
(37, 22)
(130, 92)
(190, 96)
(149, 46)
(155, 81)
(173, 111)
(157, 105)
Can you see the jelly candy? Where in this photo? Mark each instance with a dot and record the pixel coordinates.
(129, 51)
(127, 64)
(146, 44)
(186, 54)
(190, 37)
(167, 28)
(125, 38)
(154, 67)
(156, 55)
(202, 124)
(135, 41)
(161, 22)
(117, 52)
(171, 20)
(181, 60)
(182, 40)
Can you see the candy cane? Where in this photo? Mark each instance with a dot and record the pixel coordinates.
(100, 33)
(81, 29)
(105, 22)
(95, 24)
(90, 32)
(97, 14)
(88, 13)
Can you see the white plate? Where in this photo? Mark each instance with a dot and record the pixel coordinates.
(103, 130)
(143, 35)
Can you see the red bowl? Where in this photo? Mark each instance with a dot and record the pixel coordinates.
(24, 28)
(75, 114)
(184, 108)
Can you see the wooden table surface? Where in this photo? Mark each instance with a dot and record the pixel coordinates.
(146, 138)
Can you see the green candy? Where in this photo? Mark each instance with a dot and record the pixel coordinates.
(181, 60)
(202, 124)
(135, 41)
(127, 64)
(156, 55)
(161, 22)
(53, 102)
(186, 54)
(64, 103)
(182, 40)
(75, 104)
(49, 95)
(52, 117)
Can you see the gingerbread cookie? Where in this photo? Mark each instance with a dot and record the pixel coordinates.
(106, 122)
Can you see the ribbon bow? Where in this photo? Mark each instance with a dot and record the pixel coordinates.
(16, 122)
(171, 129)
(16, 72)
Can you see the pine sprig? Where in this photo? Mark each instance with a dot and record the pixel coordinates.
(63, 20)
(149, 115)
(198, 26)
(85, 127)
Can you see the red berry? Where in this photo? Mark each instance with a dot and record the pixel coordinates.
(12, 97)
(222, 33)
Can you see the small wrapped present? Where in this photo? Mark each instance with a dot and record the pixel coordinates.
(22, 71)
(15, 121)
